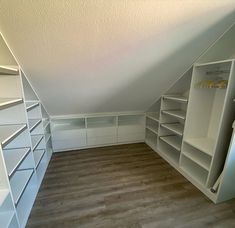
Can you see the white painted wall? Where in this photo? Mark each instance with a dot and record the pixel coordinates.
(109, 55)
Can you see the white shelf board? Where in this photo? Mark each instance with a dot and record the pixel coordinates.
(6, 70)
(38, 154)
(9, 132)
(33, 123)
(6, 218)
(173, 141)
(177, 128)
(176, 97)
(205, 145)
(13, 158)
(36, 139)
(8, 102)
(152, 130)
(19, 182)
(205, 165)
(175, 113)
(31, 105)
(213, 63)
(153, 116)
(3, 195)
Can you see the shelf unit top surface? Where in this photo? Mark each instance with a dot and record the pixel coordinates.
(173, 141)
(6, 70)
(8, 132)
(213, 63)
(175, 97)
(176, 113)
(7, 102)
(19, 182)
(174, 127)
(14, 158)
(205, 145)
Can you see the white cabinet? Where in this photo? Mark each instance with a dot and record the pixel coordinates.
(97, 130)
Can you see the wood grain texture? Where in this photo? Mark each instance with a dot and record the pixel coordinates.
(122, 186)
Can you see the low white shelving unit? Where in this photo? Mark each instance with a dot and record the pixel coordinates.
(96, 130)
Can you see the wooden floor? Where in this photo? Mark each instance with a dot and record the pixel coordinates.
(122, 186)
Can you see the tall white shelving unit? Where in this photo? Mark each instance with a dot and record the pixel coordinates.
(23, 156)
(190, 126)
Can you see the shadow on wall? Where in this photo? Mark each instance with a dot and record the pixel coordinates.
(146, 86)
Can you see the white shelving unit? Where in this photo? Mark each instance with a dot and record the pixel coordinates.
(97, 130)
(194, 129)
(20, 124)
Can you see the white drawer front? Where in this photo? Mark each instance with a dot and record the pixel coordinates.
(131, 137)
(69, 144)
(130, 129)
(92, 141)
(69, 134)
(103, 131)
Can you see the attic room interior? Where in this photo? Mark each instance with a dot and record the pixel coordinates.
(117, 113)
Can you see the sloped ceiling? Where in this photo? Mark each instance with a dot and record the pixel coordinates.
(86, 56)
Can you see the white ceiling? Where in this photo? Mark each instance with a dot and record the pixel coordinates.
(87, 56)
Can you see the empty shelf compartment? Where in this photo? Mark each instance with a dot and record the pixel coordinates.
(181, 114)
(152, 125)
(13, 158)
(176, 97)
(8, 102)
(38, 155)
(173, 141)
(205, 145)
(176, 128)
(170, 153)
(68, 124)
(36, 139)
(19, 182)
(9, 132)
(195, 171)
(45, 123)
(153, 115)
(47, 137)
(33, 123)
(103, 121)
(31, 105)
(127, 120)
